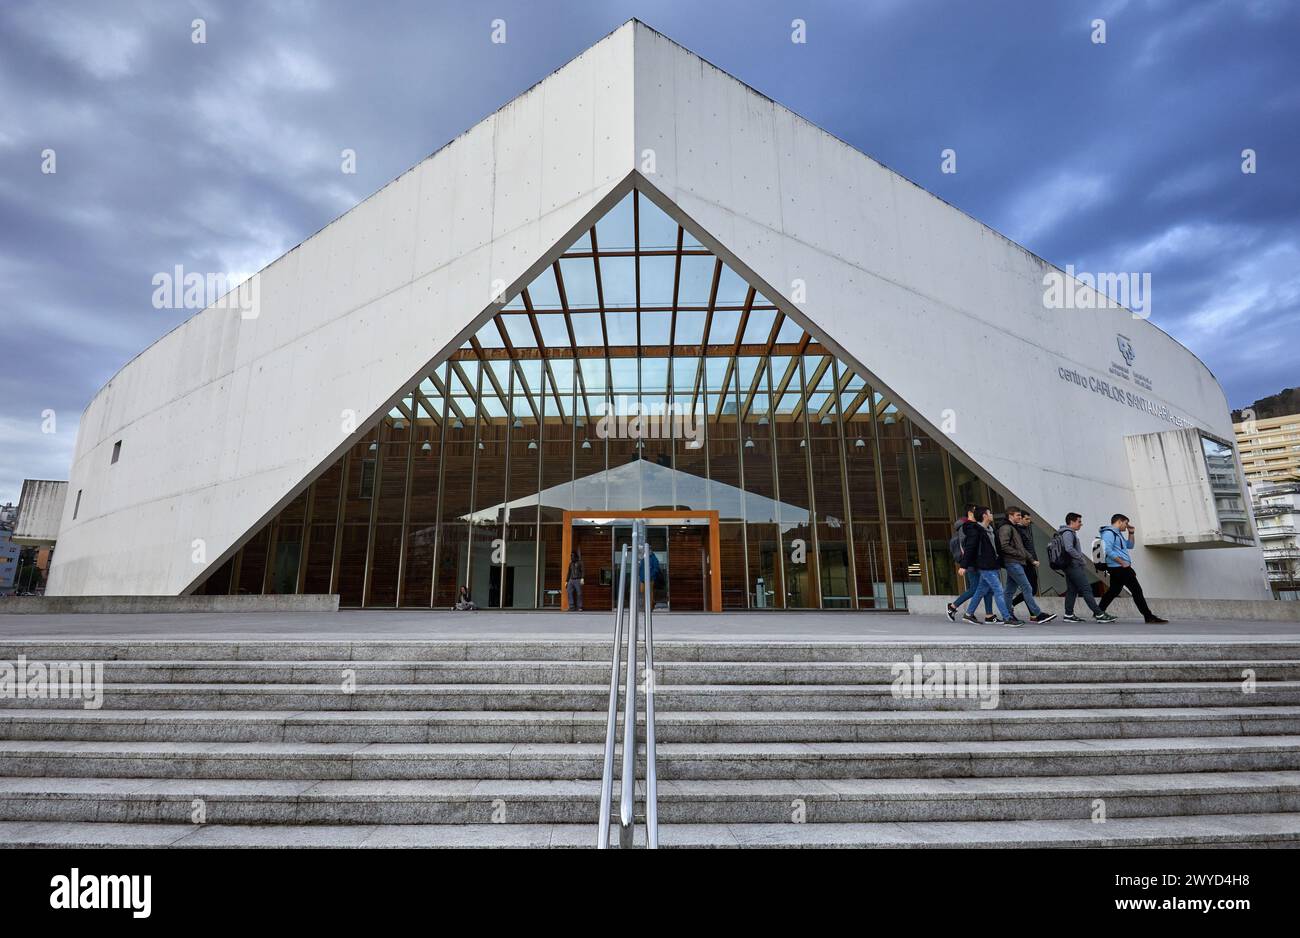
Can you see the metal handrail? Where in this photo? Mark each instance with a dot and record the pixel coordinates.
(638, 552)
(626, 803)
(607, 773)
(651, 771)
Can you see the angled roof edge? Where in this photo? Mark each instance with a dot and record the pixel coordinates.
(902, 176)
(792, 311)
(474, 323)
(636, 26)
(406, 172)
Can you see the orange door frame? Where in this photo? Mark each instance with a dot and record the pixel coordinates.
(715, 544)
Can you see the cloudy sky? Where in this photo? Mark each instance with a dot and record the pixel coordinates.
(220, 156)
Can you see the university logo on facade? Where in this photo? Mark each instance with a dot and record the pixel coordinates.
(1126, 349)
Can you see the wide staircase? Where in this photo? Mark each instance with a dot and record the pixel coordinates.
(760, 744)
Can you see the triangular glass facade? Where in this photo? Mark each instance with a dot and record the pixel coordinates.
(637, 372)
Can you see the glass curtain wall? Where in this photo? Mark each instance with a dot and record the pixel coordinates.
(637, 371)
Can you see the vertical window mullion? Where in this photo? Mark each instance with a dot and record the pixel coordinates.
(886, 553)
(442, 463)
(815, 569)
(844, 482)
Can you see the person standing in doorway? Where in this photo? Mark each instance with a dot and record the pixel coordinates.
(1117, 539)
(573, 582)
(1074, 565)
(654, 572)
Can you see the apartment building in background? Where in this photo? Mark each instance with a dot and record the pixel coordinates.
(1277, 519)
(1270, 448)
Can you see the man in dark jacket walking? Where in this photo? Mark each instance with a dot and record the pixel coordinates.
(1015, 558)
(980, 553)
(959, 534)
(573, 582)
(1026, 529)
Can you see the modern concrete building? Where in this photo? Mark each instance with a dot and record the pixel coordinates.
(1270, 449)
(643, 289)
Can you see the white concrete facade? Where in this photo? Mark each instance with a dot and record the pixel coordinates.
(219, 432)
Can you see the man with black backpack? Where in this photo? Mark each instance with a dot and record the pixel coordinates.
(957, 547)
(1063, 554)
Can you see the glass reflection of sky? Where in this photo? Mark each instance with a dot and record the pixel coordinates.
(637, 288)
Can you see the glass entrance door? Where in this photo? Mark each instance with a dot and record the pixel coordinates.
(657, 535)
(684, 545)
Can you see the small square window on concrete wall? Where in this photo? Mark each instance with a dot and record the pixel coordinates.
(117, 450)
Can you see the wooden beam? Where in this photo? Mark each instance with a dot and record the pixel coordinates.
(812, 383)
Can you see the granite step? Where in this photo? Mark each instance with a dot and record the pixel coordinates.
(987, 643)
(767, 801)
(723, 761)
(1222, 830)
(561, 726)
(712, 697)
(334, 673)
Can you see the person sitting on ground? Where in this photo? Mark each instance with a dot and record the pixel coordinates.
(464, 603)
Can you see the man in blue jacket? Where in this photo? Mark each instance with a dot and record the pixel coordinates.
(654, 572)
(1117, 539)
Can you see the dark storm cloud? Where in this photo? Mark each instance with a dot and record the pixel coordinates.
(221, 156)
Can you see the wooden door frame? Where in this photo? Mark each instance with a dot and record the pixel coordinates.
(662, 515)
